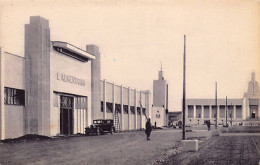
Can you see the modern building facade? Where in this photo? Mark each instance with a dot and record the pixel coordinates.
(246, 108)
(56, 89)
(160, 100)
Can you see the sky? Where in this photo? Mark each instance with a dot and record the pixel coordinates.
(134, 37)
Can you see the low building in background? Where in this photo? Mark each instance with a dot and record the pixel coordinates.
(243, 111)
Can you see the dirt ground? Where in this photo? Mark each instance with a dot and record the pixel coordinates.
(120, 148)
(220, 150)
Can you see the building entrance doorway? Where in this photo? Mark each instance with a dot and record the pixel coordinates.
(253, 115)
(66, 115)
(253, 111)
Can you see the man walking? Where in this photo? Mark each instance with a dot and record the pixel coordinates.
(208, 124)
(148, 129)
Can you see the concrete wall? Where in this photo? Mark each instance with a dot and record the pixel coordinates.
(14, 69)
(14, 123)
(2, 114)
(37, 55)
(158, 116)
(82, 70)
(14, 73)
(159, 93)
(95, 81)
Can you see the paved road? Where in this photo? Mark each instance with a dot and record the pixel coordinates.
(237, 150)
(122, 148)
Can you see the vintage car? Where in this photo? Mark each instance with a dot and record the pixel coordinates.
(100, 126)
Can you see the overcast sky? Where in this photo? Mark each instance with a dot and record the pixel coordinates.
(223, 40)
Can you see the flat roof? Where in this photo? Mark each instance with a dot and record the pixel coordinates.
(220, 101)
(72, 51)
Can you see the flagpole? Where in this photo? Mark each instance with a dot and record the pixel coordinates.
(216, 102)
(184, 83)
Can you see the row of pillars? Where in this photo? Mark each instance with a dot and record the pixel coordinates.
(136, 102)
(210, 112)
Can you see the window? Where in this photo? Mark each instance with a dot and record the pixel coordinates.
(144, 111)
(125, 109)
(109, 107)
(132, 108)
(118, 108)
(190, 111)
(138, 111)
(102, 106)
(13, 96)
(81, 102)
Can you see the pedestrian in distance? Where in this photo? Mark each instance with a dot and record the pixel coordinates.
(155, 124)
(148, 129)
(208, 124)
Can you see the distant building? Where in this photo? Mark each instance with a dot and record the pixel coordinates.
(245, 110)
(160, 100)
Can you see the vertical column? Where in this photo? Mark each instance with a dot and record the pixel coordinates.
(122, 108)
(210, 111)
(141, 109)
(80, 120)
(2, 110)
(195, 111)
(235, 111)
(147, 113)
(104, 100)
(147, 105)
(135, 110)
(129, 111)
(37, 76)
(243, 108)
(202, 111)
(74, 119)
(95, 83)
(113, 101)
(186, 114)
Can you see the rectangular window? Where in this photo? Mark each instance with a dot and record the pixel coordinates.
(222, 111)
(118, 108)
(238, 111)
(190, 111)
(14, 96)
(132, 109)
(138, 111)
(213, 111)
(81, 102)
(144, 111)
(125, 109)
(5, 98)
(102, 106)
(109, 107)
(206, 111)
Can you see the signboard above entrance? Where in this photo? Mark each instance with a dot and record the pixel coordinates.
(70, 79)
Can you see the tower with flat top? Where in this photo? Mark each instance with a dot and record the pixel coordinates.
(160, 100)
